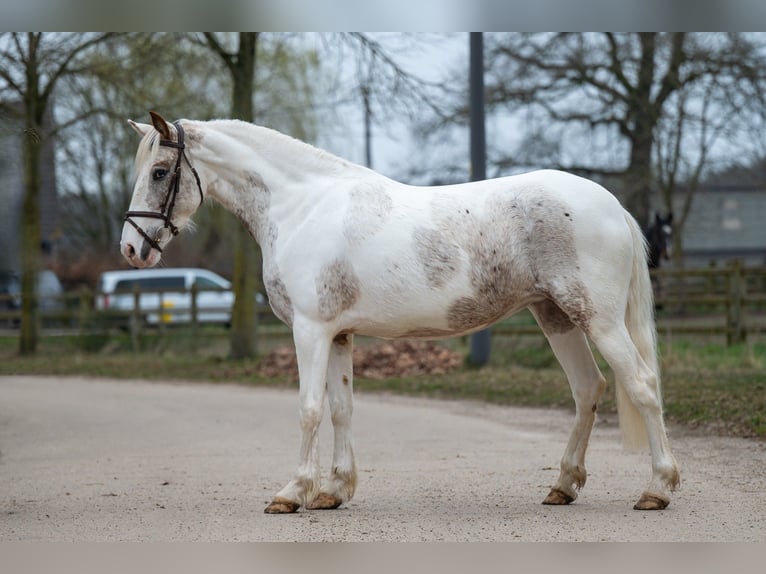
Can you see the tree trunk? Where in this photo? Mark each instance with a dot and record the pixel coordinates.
(30, 211)
(643, 115)
(639, 177)
(247, 266)
(30, 241)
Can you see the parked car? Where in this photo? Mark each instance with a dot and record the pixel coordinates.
(10, 298)
(165, 294)
(49, 293)
(10, 288)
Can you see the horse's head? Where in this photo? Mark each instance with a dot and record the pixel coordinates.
(660, 239)
(166, 194)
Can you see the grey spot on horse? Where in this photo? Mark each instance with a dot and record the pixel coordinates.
(551, 318)
(193, 134)
(279, 300)
(254, 204)
(520, 253)
(438, 255)
(272, 235)
(556, 268)
(500, 273)
(368, 209)
(574, 301)
(338, 288)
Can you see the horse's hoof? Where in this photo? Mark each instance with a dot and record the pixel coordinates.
(558, 497)
(324, 502)
(651, 502)
(281, 506)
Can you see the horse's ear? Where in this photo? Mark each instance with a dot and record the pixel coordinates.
(141, 129)
(160, 125)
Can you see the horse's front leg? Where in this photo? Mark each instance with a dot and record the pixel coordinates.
(312, 347)
(340, 486)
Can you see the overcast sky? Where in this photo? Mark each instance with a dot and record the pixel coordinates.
(428, 56)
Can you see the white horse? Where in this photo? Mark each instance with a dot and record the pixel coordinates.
(348, 251)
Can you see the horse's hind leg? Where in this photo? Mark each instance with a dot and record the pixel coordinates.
(640, 384)
(340, 486)
(571, 348)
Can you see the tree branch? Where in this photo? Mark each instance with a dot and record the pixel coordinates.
(217, 47)
(63, 68)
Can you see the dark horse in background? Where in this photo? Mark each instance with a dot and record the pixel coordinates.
(659, 236)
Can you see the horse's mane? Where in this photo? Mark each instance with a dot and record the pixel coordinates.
(308, 152)
(150, 145)
(147, 149)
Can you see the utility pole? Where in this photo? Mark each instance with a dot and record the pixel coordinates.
(480, 342)
(367, 125)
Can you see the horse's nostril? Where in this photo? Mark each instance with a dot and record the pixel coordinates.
(131, 250)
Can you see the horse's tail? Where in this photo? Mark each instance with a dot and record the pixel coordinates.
(639, 320)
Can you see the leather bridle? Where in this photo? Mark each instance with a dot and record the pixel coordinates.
(166, 209)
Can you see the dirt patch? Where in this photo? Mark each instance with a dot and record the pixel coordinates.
(379, 361)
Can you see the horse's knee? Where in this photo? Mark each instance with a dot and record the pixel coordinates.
(311, 416)
(587, 396)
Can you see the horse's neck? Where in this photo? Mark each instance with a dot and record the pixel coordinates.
(253, 166)
(279, 160)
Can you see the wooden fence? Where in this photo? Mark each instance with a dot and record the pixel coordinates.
(730, 301)
(726, 302)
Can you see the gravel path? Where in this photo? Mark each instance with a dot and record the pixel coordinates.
(93, 460)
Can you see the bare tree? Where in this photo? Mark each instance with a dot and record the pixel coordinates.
(684, 142)
(31, 66)
(618, 83)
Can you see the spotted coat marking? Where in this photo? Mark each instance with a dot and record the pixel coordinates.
(279, 299)
(253, 209)
(338, 289)
(438, 255)
(520, 251)
(551, 318)
(368, 210)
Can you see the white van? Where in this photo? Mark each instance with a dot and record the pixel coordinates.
(165, 294)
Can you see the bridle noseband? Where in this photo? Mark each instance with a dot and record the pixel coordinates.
(166, 209)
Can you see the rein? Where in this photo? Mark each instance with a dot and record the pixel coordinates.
(166, 209)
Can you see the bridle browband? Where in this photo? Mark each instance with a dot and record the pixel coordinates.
(166, 209)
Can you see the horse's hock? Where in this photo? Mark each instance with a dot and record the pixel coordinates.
(376, 361)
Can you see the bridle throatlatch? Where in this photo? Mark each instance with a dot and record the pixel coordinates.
(166, 209)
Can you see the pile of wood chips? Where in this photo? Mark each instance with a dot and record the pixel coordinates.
(375, 361)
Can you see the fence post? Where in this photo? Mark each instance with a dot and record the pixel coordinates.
(84, 312)
(135, 319)
(735, 328)
(194, 312)
(161, 316)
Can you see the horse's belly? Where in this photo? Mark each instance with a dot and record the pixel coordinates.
(461, 316)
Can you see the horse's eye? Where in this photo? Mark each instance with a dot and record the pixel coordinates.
(159, 174)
